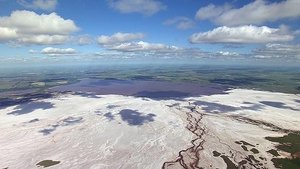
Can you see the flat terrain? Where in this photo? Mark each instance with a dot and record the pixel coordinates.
(222, 130)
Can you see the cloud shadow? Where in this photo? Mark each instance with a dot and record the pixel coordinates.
(134, 118)
(109, 116)
(21, 99)
(279, 105)
(30, 107)
(65, 122)
(210, 107)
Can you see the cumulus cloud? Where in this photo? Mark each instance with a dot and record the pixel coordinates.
(146, 7)
(42, 39)
(26, 27)
(28, 22)
(48, 5)
(7, 34)
(181, 22)
(256, 12)
(278, 51)
(128, 42)
(125, 44)
(118, 38)
(142, 46)
(242, 34)
(50, 51)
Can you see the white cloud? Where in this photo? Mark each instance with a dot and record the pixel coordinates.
(211, 11)
(7, 34)
(144, 49)
(226, 53)
(50, 51)
(146, 7)
(181, 22)
(125, 45)
(26, 27)
(48, 5)
(126, 42)
(262, 57)
(28, 22)
(119, 38)
(43, 39)
(85, 40)
(278, 51)
(256, 12)
(142, 46)
(242, 34)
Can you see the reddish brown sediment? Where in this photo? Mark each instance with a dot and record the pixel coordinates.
(296, 155)
(189, 158)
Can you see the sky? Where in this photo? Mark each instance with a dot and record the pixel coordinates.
(171, 31)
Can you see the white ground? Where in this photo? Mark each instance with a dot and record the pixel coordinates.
(95, 141)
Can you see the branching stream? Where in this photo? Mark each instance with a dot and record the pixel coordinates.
(189, 158)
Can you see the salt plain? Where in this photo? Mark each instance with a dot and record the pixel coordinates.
(117, 131)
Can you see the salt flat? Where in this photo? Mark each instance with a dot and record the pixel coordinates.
(115, 131)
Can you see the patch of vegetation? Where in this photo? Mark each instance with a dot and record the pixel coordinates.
(246, 143)
(288, 143)
(47, 163)
(241, 163)
(237, 142)
(216, 154)
(244, 147)
(251, 158)
(263, 158)
(285, 163)
(229, 163)
(273, 152)
(254, 150)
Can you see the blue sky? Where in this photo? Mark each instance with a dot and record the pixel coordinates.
(149, 30)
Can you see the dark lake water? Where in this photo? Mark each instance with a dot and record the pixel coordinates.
(142, 88)
(19, 85)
